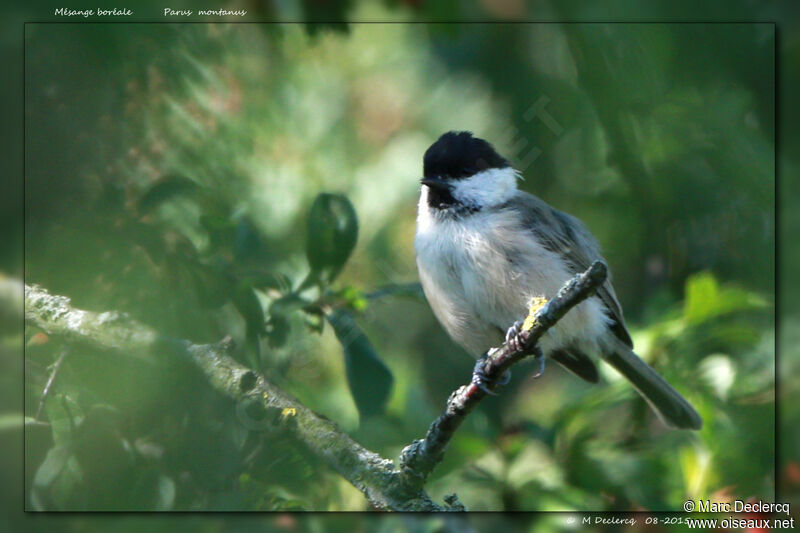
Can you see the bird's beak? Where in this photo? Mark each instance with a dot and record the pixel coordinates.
(436, 183)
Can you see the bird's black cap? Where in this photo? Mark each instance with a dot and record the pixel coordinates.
(457, 155)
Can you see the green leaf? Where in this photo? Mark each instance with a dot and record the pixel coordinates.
(247, 303)
(369, 378)
(166, 493)
(354, 298)
(697, 468)
(332, 235)
(706, 299)
(52, 466)
(64, 415)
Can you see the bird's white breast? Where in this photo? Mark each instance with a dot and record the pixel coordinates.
(480, 271)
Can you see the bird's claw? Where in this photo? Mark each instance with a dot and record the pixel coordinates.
(539, 356)
(516, 337)
(482, 381)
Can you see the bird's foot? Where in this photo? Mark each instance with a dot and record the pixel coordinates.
(482, 381)
(517, 337)
(539, 357)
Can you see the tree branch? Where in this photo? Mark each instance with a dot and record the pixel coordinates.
(373, 475)
(420, 458)
(385, 485)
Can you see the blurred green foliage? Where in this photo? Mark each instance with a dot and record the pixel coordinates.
(175, 172)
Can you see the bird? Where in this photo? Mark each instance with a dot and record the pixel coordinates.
(485, 249)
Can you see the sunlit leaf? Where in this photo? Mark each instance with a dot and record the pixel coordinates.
(52, 466)
(696, 464)
(719, 372)
(166, 493)
(354, 298)
(706, 299)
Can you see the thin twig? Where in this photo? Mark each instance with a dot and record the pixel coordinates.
(50, 381)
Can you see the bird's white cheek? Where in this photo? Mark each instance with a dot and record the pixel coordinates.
(488, 188)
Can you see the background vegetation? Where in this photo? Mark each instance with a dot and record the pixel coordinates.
(170, 172)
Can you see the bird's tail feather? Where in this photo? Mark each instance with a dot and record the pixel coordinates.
(673, 408)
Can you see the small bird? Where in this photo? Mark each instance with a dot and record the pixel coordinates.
(485, 249)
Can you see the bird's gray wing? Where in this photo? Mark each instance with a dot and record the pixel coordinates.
(566, 236)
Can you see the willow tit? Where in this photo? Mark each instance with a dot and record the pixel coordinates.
(485, 249)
